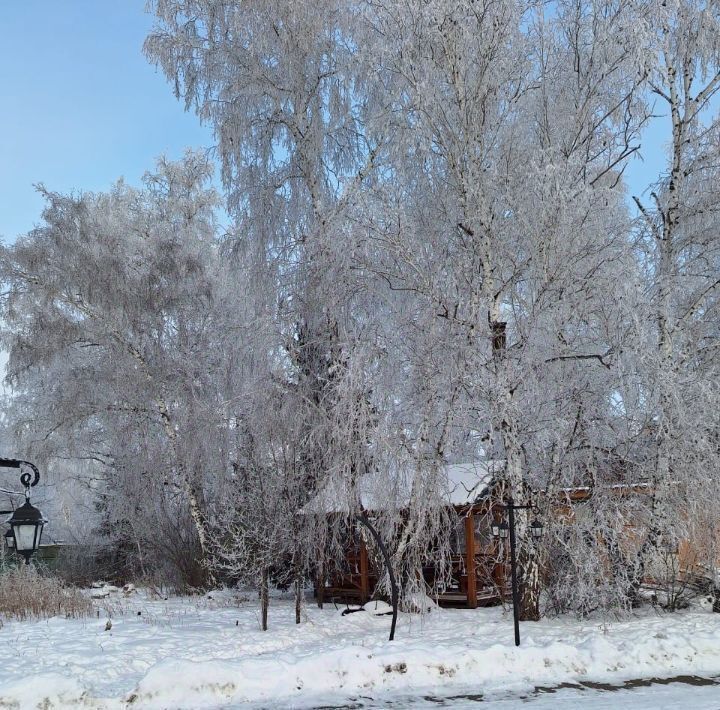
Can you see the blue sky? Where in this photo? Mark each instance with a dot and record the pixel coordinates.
(80, 106)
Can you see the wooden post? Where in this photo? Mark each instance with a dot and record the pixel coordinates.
(298, 596)
(264, 597)
(470, 560)
(320, 586)
(364, 574)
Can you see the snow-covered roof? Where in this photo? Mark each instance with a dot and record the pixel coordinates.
(468, 482)
(614, 486)
(460, 484)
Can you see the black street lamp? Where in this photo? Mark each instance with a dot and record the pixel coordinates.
(505, 530)
(26, 526)
(26, 522)
(536, 529)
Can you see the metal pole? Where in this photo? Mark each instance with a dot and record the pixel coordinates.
(511, 515)
(362, 518)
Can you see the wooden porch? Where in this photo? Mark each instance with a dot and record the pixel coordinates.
(480, 572)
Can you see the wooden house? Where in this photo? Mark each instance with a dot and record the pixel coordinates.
(480, 564)
(480, 570)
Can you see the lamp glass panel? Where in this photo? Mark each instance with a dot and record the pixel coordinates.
(25, 536)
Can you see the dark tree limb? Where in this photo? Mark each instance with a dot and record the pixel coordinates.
(362, 518)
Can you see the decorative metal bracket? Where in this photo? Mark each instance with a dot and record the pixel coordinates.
(26, 479)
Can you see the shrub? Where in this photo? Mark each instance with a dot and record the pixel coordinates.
(25, 594)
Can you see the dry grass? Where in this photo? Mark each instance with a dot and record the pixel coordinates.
(25, 594)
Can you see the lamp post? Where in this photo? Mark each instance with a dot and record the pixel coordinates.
(26, 522)
(504, 530)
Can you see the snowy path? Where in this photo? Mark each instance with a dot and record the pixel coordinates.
(670, 697)
(210, 653)
(655, 696)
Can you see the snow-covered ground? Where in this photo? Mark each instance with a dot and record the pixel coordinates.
(208, 652)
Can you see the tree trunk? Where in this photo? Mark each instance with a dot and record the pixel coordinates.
(188, 489)
(619, 566)
(528, 568)
(716, 600)
(665, 283)
(529, 583)
(528, 563)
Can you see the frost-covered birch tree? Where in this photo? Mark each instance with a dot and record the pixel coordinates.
(286, 90)
(502, 211)
(678, 250)
(109, 322)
